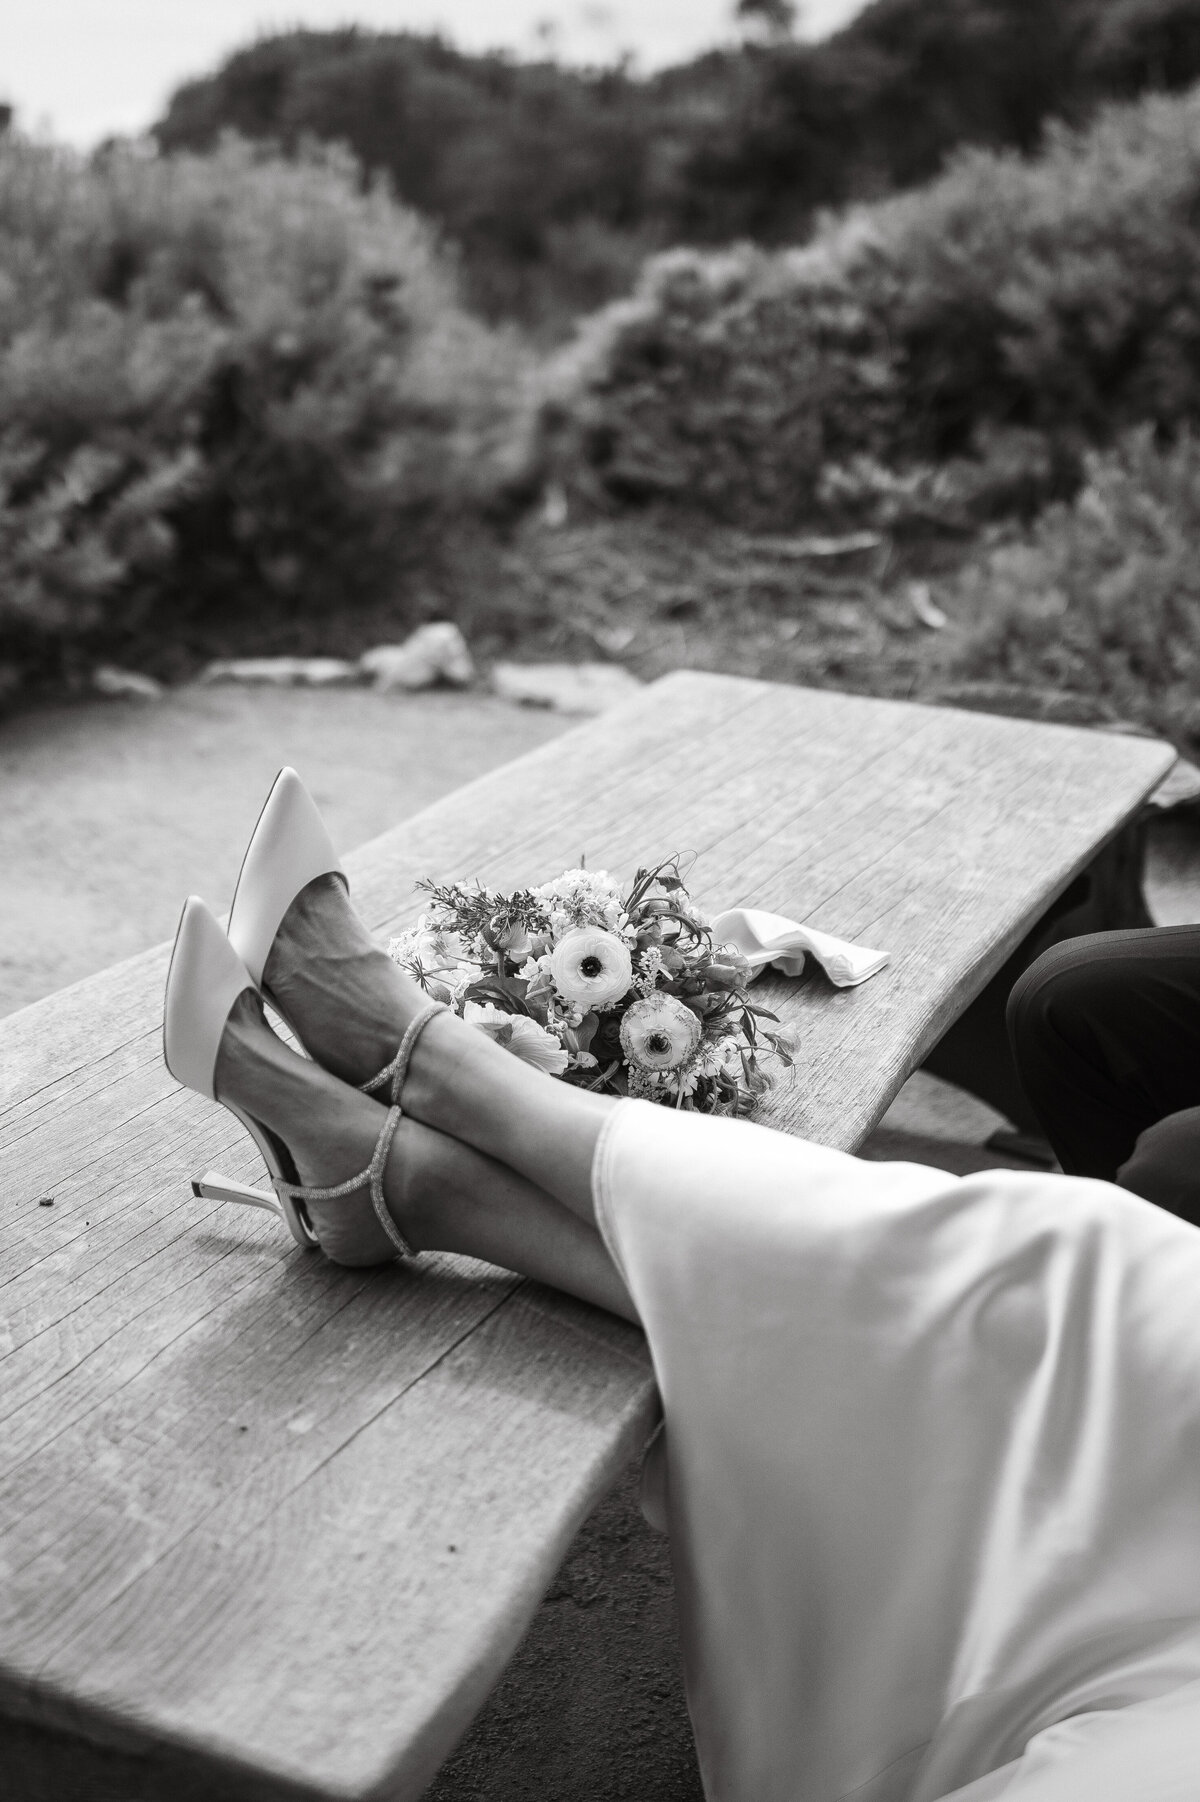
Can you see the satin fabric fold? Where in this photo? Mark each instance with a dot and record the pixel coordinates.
(932, 1458)
(766, 938)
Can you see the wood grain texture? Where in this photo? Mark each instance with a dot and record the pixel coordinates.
(281, 1524)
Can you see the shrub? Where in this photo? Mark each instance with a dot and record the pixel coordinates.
(1101, 597)
(725, 382)
(1058, 297)
(226, 381)
(517, 161)
(1061, 294)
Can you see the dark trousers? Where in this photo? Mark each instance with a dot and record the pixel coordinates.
(1105, 1031)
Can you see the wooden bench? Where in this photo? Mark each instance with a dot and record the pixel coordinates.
(272, 1529)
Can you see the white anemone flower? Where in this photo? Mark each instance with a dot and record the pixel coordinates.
(659, 1033)
(518, 1034)
(591, 967)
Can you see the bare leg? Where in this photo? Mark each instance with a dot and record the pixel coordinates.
(443, 1194)
(351, 1005)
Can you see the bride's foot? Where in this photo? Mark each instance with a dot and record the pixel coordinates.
(330, 1133)
(352, 1005)
(441, 1194)
(298, 936)
(346, 998)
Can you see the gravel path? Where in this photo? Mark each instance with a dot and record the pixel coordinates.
(112, 812)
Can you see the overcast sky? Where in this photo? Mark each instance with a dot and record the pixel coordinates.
(82, 69)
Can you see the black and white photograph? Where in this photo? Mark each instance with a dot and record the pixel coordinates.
(600, 901)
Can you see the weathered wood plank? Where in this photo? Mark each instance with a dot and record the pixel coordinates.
(375, 1559)
(231, 1475)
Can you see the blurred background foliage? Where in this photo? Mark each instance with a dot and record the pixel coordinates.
(554, 182)
(372, 329)
(230, 385)
(1100, 598)
(943, 356)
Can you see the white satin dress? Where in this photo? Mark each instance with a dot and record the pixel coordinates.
(931, 1468)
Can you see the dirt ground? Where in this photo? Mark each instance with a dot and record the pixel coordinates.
(112, 812)
(109, 814)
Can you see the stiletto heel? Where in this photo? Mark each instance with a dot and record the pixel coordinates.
(212, 1186)
(288, 849)
(205, 979)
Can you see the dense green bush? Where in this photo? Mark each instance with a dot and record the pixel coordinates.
(1101, 597)
(1048, 302)
(226, 382)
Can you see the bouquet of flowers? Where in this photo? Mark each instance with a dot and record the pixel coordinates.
(624, 993)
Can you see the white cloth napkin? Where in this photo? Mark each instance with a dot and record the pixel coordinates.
(765, 939)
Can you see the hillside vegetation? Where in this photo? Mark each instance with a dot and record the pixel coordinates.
(554, 183)
(939, 358)
(231, 386)
(997, 374)
(945, 447)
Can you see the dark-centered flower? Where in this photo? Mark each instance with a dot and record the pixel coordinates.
(591, 967)
(659, 1033)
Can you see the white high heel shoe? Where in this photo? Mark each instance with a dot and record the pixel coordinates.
(288, 849)
(205, 979)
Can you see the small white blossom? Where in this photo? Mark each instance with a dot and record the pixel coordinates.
(581, 898)
(687, 907)
(402, 949)
(459, 977)
(429, 943)
(717, 1055)
(537, 973)
(685, 1082)
(649, 964)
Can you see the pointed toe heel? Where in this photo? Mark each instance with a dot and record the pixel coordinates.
(205, 980)
(288, 849)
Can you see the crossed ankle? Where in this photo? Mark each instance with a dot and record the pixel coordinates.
(417, 1183)
(472, 1091)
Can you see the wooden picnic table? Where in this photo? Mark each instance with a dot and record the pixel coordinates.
(269, 1528)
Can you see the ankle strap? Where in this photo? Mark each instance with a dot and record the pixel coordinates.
(395, 1071)
(371, 1178)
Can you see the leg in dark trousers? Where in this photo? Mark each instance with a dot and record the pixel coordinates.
(1105, 1031)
